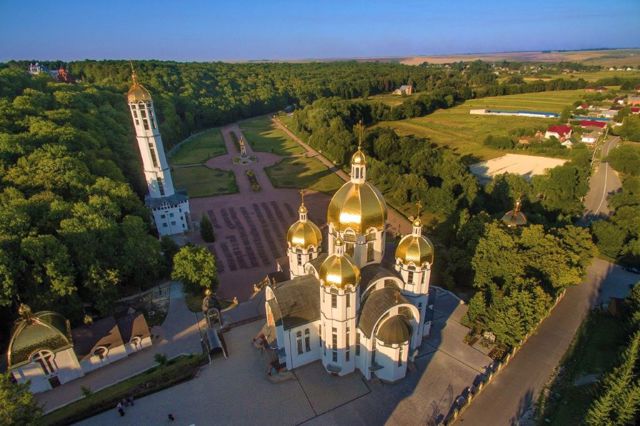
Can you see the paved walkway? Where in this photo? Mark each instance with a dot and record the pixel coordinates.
(235, 391)
(515, 388)
(178, 334)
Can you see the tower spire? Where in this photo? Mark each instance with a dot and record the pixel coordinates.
(302, 210)
(134, 77)
(358, 160)
(417, 222)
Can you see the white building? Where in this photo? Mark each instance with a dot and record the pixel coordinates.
(405, 89)
(347, 308)
(590, 137)
(170, 208)
(46, 352)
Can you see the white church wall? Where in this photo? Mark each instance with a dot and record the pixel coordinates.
(301, 355)
(388, 358)
(94, 362)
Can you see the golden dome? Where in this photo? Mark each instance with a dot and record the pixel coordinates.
(138, 93)
(415, 249)
(358, 158)
(357, 206)
(340, 271)
(304, 234)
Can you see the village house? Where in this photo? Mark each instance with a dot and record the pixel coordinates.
(405, 89)
(590, 137)
(633, 100)
(598, 89)
(635, 110)
(45, 352)
(562, 132)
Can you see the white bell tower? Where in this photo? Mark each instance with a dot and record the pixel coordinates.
(170, 209)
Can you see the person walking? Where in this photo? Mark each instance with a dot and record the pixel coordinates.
(171, 418)
(120, 409)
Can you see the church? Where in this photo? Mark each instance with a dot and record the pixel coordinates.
(169, 208)
(350, 308)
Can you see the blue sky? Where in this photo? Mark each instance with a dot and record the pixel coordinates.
(277, 29)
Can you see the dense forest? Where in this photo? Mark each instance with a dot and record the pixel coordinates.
(72, 228)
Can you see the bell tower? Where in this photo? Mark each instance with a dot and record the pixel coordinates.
(170, 209)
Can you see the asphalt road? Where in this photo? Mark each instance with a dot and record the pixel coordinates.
(516, 387)
(603, 182)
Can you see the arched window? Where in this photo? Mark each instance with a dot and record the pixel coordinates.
(101, 352)
(136, 341)
(46, 361)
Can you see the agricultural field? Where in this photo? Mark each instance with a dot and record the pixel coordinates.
(588, 76)
(199, 148)
(201, 181)
(263, 136)
(303, 172)
(465, 133)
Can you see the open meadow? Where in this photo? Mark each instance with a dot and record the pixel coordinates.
(465, 133)
(389, 99)
(201, 181)
(199, 148)
(303, 172)
(263, 136)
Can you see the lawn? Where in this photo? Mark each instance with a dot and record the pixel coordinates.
(303, 172)
(595, 351)
(157, 378)
(201, 181)
(263, 136)
(465, 133)
(199, 148)
(389, 99)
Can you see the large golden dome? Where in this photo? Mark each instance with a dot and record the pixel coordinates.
(339, 270)
(357, 206)
(304, 234)
(415, 249)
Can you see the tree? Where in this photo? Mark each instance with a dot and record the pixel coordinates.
(195, 267)
(18, 407)
(206, 229)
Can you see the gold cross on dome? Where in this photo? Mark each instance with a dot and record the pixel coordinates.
(302, 196)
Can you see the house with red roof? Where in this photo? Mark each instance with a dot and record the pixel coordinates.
(635, 110)
(593, 123)
(561, 132)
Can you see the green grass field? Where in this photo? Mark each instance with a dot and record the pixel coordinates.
(303, 172)
(389, 99)
(200, 148)
(589, 76)
(201, 181)
(465, 133)
(263, 136)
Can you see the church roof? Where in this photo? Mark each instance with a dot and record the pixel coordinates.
(374, 306)
(133, 325)
(394, 331)
(297, 301)
(104, 332)
(374, 272)
(42, 330)
(357, 206)
(318, 261)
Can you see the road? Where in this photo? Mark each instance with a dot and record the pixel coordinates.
(603, 182)
(515, 388)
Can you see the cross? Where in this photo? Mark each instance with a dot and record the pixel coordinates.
(360, 129)
(302, 196)
(419, 207)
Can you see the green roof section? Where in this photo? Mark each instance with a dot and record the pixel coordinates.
(35, 332)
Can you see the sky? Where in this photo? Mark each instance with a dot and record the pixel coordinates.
(198, 30)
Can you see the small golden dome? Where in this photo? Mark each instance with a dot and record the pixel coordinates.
(339, 270)
(415, 249)
(359, 158)
(304, 234)
(302, 209)
(138, 93)
(358, 207)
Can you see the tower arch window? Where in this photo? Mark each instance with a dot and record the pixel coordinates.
(334, 344)
(46, 361)
(299, 258)
(357, 344)
(152, 152)
(400, 356)
(161, 187)
(334, 300)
